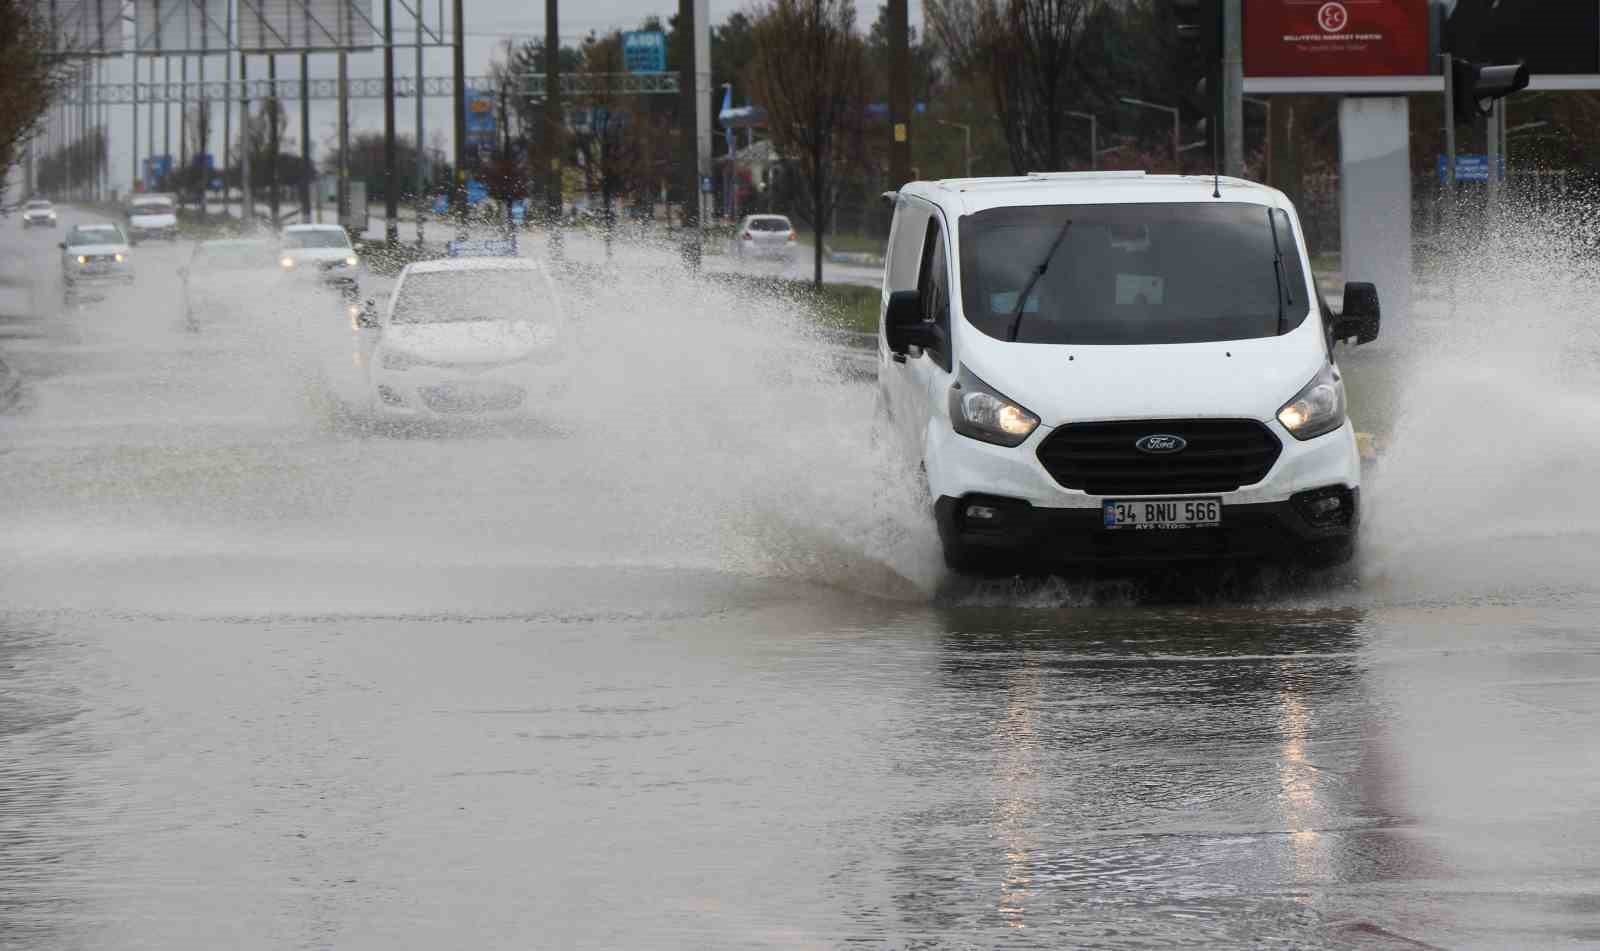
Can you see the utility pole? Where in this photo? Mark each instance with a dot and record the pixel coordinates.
(275, 110)
(203, 125)
(227, 105)
(688, 147)
(554, 122)
(247, 203)
(305, 139)
(458, 54)
(342, 212)
(133, 183)
(900, 97)
(391, 180)
(1449, 124)
(166, 115)
(150, 115)
(422, 163)
(1233, 88)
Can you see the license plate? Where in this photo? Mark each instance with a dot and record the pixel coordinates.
(1161, 513)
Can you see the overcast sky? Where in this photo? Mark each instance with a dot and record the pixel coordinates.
(489, 24)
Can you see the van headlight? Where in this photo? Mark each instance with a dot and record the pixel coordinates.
(286, 262)
(981, 412)
(1318, 409)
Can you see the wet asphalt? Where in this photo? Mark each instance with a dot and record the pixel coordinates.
(271, 679)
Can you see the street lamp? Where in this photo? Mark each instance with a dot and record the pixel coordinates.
(967, 129)
(1094, 137)
(1177, 150)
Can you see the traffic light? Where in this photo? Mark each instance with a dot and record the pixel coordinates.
(1473, 85)
(1199, 27)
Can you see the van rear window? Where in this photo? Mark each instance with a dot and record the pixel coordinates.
(1129, 274)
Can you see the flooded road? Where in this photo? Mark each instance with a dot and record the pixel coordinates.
(672, 665)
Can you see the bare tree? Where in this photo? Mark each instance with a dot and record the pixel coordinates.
(809, 73)
(1031, 53)
(32, 75)
(619, 144)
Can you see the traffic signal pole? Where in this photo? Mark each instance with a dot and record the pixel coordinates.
(1233, 88)
(1449, 122)
(900, 95)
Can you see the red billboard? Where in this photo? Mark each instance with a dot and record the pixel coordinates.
(1335, 37)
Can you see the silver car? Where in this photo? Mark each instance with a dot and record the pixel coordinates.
(38, 213)
(94, 256)
(764, 236)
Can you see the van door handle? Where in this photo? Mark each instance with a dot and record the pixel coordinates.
(899, 358)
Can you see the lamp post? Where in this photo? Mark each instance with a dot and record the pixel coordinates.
(1094, 136)
(967, 131)
(1177, 149)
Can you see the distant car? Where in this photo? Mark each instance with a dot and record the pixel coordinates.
(39, 213)
(321, 251)
(764, 236)
(152, 216)
(211, 276)
(94, 255)
(465, 337)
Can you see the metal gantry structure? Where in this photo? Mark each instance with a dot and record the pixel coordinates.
(96, 31)
(200, 30)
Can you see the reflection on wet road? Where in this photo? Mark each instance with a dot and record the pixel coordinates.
(268, 680)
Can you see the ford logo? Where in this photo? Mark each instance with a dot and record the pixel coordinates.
(1160, 443)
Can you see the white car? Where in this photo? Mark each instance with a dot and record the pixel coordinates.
(320, 251)
(152, 216)
(39, 213)
(1111, 368)
(94, 255)
(764, 236)
(478, 337)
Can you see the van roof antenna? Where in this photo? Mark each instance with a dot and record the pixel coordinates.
(1216, 157)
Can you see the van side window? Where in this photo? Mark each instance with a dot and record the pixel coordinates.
(933, 282)
(906, 243)
(1295, 304)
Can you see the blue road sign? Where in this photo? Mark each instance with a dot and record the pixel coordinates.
(476, 191)
(645, 51)
(1471, 167)
(156, 168)
(519, 211)
(441, 205)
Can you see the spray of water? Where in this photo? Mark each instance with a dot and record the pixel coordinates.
(221, 467)
(1487, 482)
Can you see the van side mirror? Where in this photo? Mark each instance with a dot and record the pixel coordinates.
(62, 245)
(1362, 315)
(904, 326)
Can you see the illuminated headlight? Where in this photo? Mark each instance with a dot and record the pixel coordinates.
(396, 360)
(83, 259)
(979, 411)
(1317, 409)
(350, 261)
(286, 261)
(118, 257)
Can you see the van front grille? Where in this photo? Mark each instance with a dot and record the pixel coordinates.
(1220, 455)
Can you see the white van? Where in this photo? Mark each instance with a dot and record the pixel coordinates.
(152, 216)
(1106, 368)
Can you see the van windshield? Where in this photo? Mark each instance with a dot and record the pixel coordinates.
(1132, 273)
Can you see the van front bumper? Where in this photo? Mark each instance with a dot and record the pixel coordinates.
(1016, 534)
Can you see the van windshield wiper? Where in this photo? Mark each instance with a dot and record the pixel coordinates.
(1277, 274)
(1038, 272)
